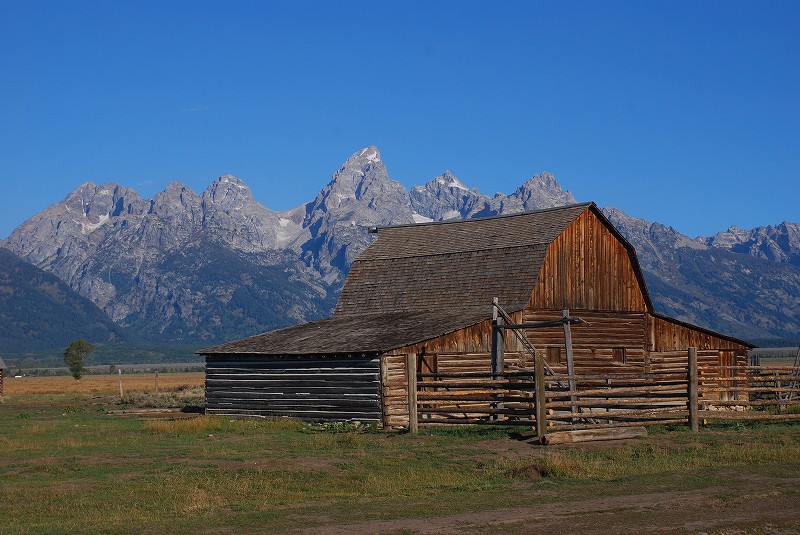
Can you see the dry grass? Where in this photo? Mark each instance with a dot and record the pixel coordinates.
(189, 425)
(102, 384)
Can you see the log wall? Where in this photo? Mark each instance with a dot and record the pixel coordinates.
(666, 334)
(310, 388)
(598, 347)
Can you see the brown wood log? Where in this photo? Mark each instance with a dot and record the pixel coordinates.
(587, 435)
(664, 421)
(616, 402)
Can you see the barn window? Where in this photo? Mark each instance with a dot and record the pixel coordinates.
(618, 356)
(553, 355)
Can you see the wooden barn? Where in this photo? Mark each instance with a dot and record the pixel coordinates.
(427, 290)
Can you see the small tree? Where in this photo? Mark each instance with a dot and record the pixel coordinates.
(75, 356)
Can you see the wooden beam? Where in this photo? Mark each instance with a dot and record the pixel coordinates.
(541, 400)
(570, 357)
(411, 370)
(498, 339)
(587, 435)
(694, 422)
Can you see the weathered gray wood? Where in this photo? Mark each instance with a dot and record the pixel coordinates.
(570, 356)
(694, 422)
(411, 370)
(541, 400)
(498, 339)
(314, 389)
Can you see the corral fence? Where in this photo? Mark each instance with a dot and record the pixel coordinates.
(675, 391)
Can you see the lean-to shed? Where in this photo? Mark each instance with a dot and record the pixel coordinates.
(427, 289)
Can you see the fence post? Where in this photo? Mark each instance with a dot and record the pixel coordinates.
(694, 423)
(411, 369)
(541, 400)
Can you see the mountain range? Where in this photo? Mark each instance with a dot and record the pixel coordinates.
(189, 268)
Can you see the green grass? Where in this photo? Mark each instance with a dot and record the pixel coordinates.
(67, 466)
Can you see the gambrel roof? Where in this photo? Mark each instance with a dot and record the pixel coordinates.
(454, 265)
(417, 282)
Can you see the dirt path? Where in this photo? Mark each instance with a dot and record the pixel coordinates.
(767, 506)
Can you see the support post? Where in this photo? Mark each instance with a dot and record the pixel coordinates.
(694, 422)
(570, 359)
(384, 379)
(411, 370)
(157, 392)
(541, 399)
(498, 340)
(121, 392)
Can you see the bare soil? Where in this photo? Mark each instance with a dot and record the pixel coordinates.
(765, 506)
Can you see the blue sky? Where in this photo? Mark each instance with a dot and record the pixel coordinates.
(687, 113)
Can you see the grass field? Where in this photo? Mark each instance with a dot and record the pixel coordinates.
(70, 462)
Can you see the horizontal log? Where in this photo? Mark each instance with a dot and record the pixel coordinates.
(605, 415)
(746, 415)
(500, 397)
(474, 410)
(616, 402)
(753, 403)
(616, 391)
(754, 389)
(366, 388)
(664, 421)
(316, 404)
(586, 435)
(476, 421)
(485, 375)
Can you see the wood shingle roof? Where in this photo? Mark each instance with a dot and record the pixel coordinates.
(460, 264)
(357, 333)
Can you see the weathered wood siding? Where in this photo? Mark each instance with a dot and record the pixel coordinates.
(671, 335)
(587, 267)
(310, 388)
(595, 346)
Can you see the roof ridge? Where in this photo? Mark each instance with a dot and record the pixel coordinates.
(428, 255)
(483, 218)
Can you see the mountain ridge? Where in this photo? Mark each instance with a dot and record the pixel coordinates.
(163, 266)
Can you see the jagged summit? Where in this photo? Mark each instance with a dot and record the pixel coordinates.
(449, 180)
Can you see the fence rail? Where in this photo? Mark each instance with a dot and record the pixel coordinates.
(584, 401)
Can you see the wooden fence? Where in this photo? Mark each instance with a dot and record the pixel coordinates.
(674, 394)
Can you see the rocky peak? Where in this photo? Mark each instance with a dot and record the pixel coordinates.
(779, 243)
(359, 195)
(542, 191)
(174, 200)
(651, 240)
(446, 197)
(228, 193)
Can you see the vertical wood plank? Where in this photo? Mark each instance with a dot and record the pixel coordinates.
(541, 400)
(694, 423)
(570, 358)
(384, 378)
(411, 369)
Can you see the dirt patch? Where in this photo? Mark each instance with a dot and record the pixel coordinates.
(706, 510)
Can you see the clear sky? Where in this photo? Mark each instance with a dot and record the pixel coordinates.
(683, 112)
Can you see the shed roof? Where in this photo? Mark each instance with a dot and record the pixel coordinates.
(356, 333)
